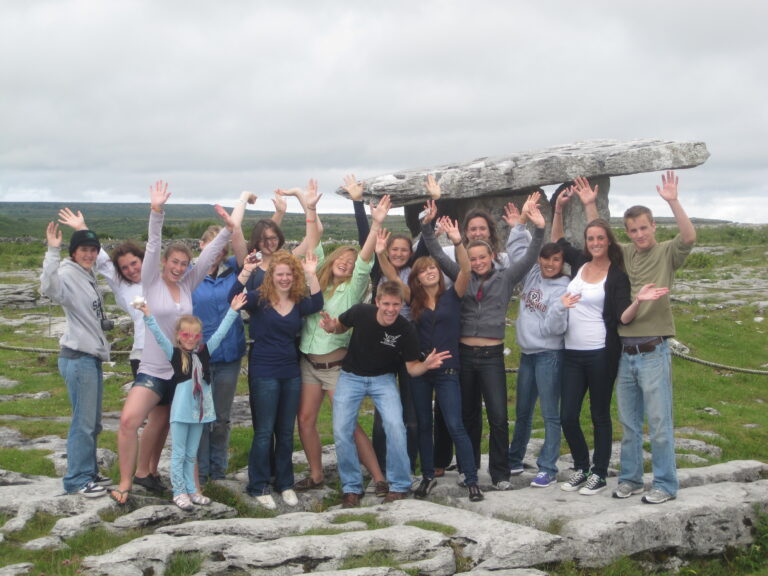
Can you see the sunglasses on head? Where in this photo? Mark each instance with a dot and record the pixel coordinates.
(187, 335)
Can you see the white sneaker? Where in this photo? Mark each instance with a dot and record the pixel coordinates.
(289, 497)
(199, 499)
(267, 501)
(92, 490)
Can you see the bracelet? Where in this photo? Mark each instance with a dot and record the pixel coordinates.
(310, 220)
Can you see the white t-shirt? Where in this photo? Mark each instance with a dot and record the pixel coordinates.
(586, 329)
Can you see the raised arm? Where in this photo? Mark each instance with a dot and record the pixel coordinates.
(239, 245)
(448, 266)
(558, 230)
(378, 215)
(387, 269)
(668, 191)
(453, 232)
(517, 270)
(281, 206)
(226, 323)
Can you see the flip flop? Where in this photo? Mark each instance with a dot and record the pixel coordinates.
(122, 495)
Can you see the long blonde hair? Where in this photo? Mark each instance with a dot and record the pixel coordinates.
(186, 357)
(268, 291)
(325, 274)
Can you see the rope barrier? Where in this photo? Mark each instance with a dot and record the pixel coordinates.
(4, 346)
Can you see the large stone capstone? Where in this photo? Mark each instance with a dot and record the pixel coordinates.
(493, 181)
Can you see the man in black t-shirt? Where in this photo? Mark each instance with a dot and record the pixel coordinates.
(382, 339)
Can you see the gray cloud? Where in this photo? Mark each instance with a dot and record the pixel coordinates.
(100, 99)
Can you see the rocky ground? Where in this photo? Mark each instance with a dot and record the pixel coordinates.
(511, 532)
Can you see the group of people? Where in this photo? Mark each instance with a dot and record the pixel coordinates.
(435, 327)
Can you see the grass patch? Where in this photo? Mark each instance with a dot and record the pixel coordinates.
(371, 520)
(184, 564)
(374, 558)
(38, 526)
(433, 526)
(33, 462)
(245, 509)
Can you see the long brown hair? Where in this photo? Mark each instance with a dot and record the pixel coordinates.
(325, 274)
(419, 296)
(615, 254)
(268, 291)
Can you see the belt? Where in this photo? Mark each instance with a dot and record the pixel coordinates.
(324, 365)
(649, 346)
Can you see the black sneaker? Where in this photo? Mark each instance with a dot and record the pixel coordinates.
(424, 488)
(475, 494)
(593, 485)
(92, 490)
(576, 481)
(102, 480)
(149, 482)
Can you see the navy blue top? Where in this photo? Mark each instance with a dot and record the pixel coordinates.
(274, 353)
(441, 328)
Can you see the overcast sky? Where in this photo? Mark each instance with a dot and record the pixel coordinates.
(100, 99)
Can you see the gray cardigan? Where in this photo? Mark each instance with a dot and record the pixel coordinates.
(485, 318)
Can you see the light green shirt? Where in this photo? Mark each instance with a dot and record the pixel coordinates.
(315, 340)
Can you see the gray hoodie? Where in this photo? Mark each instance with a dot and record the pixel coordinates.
(543, 319)
(74, 288)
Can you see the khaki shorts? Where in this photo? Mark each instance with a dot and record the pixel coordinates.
(323, 377)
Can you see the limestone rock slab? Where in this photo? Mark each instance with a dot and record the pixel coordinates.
(524, 171)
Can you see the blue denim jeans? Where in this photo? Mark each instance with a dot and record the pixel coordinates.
(350, 391)
(85, 386)
(538, 376)
(644, 386)
(213, 455)
(185, 439)
(483, 378)
(446, 388)
(587, 370)
(379, 437)
(275, 402)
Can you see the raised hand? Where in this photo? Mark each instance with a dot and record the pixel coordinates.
(247, 197)
(668, 188)
(353, 187)
(53, 235)
(74, 221)
(512, 215)
(650, 292)
(310, 263)
(564, 197)
(379, 212)
(532, 212)
(433, 188)
(587, 194)
(281, 206)
(158, 195)
(224, 215)
(430, 211)
(382, 236)
(451, 229)
(239, 301)
(311, 197)
(327, 323)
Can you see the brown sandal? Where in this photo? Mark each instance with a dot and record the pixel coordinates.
(122, 496)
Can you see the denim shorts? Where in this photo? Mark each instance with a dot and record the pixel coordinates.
(160, 386)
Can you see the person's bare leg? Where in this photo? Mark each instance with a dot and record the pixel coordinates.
(309, 407)
(152, 440)
(365, 451)
(138, 404)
